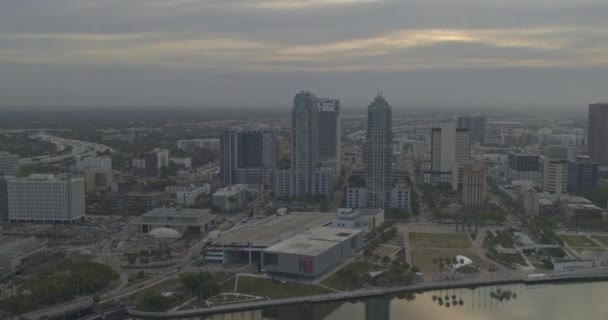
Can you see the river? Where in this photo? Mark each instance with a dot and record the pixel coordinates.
(556, 302)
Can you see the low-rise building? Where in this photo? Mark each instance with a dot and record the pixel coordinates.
(9, 164)
(578, 207)
(312, 253)
(183, 162)
(98, 179)
(98, 163)
(16, 252)
(190, 195)
(364, 219)
(401, 197)
(230, 198)
(136, 201)
(195, 220)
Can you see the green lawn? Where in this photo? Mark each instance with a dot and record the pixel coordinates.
(601, 239)
(440, 240)
(340, 279)
(267, 288)
(579, 241)
(423, 258)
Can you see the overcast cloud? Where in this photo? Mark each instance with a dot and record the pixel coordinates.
(259, 52)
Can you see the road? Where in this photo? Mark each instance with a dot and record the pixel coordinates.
(79, 148)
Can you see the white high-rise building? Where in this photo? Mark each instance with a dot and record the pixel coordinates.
(555, 177)
(9, 164)
(99, 163)
(193, 144)
(46, 198)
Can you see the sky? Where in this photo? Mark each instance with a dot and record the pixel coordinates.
(259, 53)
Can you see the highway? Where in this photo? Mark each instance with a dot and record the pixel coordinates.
(79, 148)
(374, 292)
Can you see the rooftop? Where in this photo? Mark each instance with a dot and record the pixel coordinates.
(176, 212)
(273, 229)
(315, 241)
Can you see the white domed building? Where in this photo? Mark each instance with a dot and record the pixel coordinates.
(164, 233)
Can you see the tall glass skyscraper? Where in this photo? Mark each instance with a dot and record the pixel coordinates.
(378, 154)
(597, 133)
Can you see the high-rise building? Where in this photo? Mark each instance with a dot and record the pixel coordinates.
(476, 125)
(555, 177)
(155, 160)
(597, 133)
(99, 163)
(46, 198)
(304, 159)
(248, 156)
(3, 197)
(583, 175)
(525, 167)
(556, 152)
(474, 185)
(328, 137)
(9, 164)
(378, 154)
(306, 177)
(450, 150)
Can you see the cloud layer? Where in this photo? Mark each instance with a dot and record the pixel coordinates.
(306, 42)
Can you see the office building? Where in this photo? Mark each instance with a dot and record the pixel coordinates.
(378, 154)
(98, 180)
(136, 201)
(450, 150)
(597, 133)
(474, 185)
(9, 164)
(248, 156)
(356, 197)
(476, 125)
(155, 160)
(195, 144)
(556, 152)
(494, 136)
(328, 136)
(525, 167)
(401, 197)
(230, 199)
(46, 198)
(583, 175)
(3, 197)
(98, 163)
(307, 177)
(555, 177)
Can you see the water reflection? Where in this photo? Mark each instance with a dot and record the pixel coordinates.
(575, 301)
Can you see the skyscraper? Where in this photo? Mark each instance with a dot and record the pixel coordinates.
(248, 156)
(328, 138)
(555, 177)
(582, 175)
(378, 154)
(450, 150)
(597, 133)
(476, 125)
(474, 186)
(304, 136)
(307, 176)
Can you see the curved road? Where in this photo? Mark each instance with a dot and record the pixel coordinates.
(79, 148)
